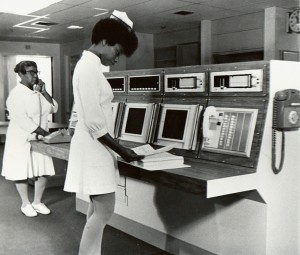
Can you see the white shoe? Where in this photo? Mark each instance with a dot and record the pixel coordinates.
(41, 208)
(29, 211)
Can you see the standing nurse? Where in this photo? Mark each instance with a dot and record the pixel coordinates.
(29, 106)
(92, 167)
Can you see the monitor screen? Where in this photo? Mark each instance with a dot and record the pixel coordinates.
(135, 121)
(178, 124)
(174, 125)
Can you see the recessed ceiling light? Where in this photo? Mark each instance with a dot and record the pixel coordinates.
(183, 13)
(74, 27)
(44, 24)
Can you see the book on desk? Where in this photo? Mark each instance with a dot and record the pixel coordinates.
(159, 159)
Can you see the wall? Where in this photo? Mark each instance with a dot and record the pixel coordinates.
(143, 57)
(3, 77)
(284, 40)
(236, 34)
(68, 51)
(178, 37)
(261, 31)
(277, 38)
(243, 33)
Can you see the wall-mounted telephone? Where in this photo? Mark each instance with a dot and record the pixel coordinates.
(229, 130)
(286, 117)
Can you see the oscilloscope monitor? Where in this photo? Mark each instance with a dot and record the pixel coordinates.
(137, 122)
(178, 125)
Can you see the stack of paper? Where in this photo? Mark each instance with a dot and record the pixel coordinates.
(162, 160)
(158, 159)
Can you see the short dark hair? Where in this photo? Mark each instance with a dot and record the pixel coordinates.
(115, 32)
(20, 67)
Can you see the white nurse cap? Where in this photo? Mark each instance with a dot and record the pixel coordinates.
(123, 17)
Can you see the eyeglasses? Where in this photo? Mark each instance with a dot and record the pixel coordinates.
(33, 72)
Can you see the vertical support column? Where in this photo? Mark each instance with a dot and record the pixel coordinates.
(206, 42)
(270, 34)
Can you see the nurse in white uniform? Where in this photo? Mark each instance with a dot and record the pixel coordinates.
(92, 167)
(29, 106)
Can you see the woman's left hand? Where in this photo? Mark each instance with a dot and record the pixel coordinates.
(129, 155)
(40, 86)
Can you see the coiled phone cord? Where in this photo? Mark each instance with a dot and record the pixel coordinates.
(275, 169)
(274, 135)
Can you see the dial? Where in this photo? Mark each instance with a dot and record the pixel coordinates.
(294, 21)
(293, 117)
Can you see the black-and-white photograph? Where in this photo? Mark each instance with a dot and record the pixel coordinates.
(150, 127)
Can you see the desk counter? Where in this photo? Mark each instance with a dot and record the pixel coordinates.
(202, 177)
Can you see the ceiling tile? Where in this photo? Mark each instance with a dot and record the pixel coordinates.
(51, 9)
(113, 4)
(74, 13)
(154, 7)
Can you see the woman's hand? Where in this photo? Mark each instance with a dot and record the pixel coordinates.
(129, 155)
(41, 131)
(40, 86)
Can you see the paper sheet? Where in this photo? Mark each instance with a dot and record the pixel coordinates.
(147, 149)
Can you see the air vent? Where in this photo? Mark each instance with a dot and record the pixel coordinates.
(44, 24)
(183, 13)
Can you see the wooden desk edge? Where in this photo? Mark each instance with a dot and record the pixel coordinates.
(193, 180)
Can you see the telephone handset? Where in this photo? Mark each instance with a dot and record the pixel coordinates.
(286, 117)
(209, 119)
(39, 84)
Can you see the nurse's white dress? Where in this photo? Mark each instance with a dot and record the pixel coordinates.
(28, 110)
(92, 167)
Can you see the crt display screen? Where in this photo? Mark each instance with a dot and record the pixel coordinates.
(174, 126)
(135, 121)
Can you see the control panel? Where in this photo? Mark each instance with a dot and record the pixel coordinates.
(117, 83)
(229, 130)
(147, 83)
(237, 81)
(189, 82)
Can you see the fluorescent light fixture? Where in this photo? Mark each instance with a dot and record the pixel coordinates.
(28, 24)
(25, 7)
(74, 27)
(103, 11)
